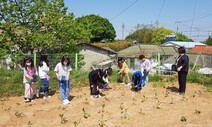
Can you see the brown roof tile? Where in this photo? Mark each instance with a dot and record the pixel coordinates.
(203, 49)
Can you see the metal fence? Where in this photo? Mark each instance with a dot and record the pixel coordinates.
(195, 61)
(163, 64)
(14, 62)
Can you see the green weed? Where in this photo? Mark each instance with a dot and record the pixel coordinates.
(102, 120)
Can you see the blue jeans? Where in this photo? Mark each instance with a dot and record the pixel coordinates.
(64, 87)
(45, 87)
(145, 78)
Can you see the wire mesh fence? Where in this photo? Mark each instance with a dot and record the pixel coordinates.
(197, 61)
(14, 62)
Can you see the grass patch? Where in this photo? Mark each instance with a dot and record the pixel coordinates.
(11, 82)
(194, 77)
(155, 78)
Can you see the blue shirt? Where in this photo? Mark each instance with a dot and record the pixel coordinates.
(140, 75)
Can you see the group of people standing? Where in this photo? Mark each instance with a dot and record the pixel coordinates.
(62, 71)
(97, 78)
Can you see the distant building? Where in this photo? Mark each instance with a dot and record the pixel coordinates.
(171, 37)
(95, 56)
(201, 49)
(132, 53)
(187, 45)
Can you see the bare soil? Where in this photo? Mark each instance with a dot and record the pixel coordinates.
(120, 107)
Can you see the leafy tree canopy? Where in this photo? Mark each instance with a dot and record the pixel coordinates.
(96, 28)
(159, 35)
(182, 37)
(150, 34)
(142, 34)
(36, 25)
(209, 41)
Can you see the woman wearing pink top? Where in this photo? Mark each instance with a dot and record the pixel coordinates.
(29, 78)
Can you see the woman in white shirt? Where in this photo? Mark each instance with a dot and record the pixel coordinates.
(145, 68)
(62, 70)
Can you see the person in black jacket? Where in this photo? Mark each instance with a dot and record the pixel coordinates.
(182, 69)
(97, 78)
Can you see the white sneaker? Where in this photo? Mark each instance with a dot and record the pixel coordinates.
(46, 97)
(128, 84)
(26, 99)
(99, 96)
(65, 102)
(95, 96)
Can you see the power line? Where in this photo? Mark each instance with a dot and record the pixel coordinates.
(203, 15)
(193, 17)
(124, 10)
(160, 11)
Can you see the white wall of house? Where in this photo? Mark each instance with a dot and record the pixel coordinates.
(92, 57)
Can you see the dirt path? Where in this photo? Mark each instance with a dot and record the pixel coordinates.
(153, 107)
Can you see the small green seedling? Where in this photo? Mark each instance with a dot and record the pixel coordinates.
(158, 104)
(141, 112)
(102, 120)
(86, 114)
(197, 112)
(156, 96)
(63, 119)
(18, 114)
(29, 124)
(76, 123)
(143, 99)
(183, 119)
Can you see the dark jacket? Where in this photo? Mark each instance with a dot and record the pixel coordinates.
(95, 76)
(184, 62)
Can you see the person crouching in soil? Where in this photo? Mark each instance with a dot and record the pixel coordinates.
(97, 78)
(137, 81)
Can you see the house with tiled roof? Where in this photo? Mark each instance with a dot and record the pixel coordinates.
(201, 49)
(201, 55)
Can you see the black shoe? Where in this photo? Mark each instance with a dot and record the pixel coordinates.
(139, 88)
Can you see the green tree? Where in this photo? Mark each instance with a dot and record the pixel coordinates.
(159, 35)
(209, 41)
(36, 25)
(96, 28)
(142, 34)
(182, 37)
(150, 34)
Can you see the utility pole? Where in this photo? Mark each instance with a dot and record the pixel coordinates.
(157, 23)
(177, 22)
(122, 27)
